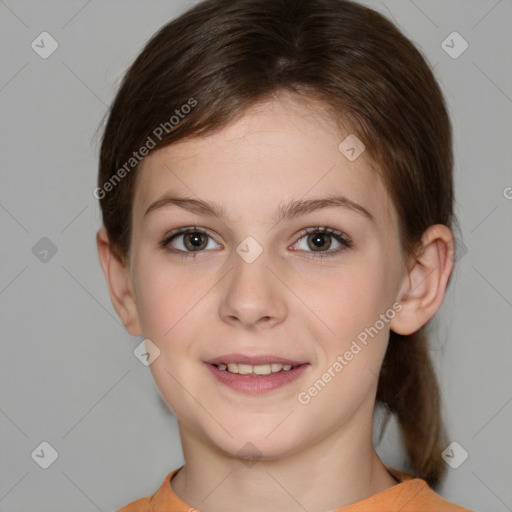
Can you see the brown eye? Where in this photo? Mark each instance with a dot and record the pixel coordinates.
(186, 241)
(195, 240)
(319, 241)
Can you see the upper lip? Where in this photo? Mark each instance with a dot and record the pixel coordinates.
(253, 360)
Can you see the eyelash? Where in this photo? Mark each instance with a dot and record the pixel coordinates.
(339, 236)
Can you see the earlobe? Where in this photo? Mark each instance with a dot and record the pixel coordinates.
(119, 284)
(426, 281)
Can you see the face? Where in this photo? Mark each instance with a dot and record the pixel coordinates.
(272, 274)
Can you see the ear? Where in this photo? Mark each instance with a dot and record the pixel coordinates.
(425, 284)
(119, 282)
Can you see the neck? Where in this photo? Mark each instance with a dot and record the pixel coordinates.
(338, 470)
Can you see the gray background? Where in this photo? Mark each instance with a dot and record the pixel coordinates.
(68, 375)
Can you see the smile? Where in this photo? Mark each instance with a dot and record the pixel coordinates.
(256, 379)
(258, 369)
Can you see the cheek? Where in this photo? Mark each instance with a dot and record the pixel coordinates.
(351, 335)
(351, 356)
(168, 305)
(346, 300)
(157, 305)
(164, 298)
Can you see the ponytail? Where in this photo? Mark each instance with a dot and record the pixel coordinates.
(409, 389)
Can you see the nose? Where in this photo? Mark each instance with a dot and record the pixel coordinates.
(252, 297)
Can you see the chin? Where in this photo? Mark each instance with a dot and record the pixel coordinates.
(256, 443)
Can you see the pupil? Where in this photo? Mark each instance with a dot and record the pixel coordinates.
(195, 240)
(318, 239)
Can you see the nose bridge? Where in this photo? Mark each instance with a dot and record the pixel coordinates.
(252, 292)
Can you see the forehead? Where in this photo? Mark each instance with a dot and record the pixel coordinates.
(279, 149)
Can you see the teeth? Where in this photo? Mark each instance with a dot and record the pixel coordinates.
(233, 368)
(258, 369)
(244, 369)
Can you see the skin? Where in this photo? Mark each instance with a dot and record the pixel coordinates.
(317, 456)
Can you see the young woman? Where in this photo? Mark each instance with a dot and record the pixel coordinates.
(276, 188)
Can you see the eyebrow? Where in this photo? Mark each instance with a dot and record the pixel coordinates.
(285, 211)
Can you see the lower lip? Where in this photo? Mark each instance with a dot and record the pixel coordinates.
(255, 385)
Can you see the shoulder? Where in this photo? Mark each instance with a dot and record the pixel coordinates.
(162, 497)
(422, 497)
(140, 505)
(411, 495)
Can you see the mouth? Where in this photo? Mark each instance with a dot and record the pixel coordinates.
(254, 370)
(255, 375)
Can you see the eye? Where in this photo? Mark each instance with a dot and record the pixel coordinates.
(320, 241)
(187, 241)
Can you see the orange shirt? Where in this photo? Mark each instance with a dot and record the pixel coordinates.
(410, 495)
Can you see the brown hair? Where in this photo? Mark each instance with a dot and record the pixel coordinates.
(223, 56)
